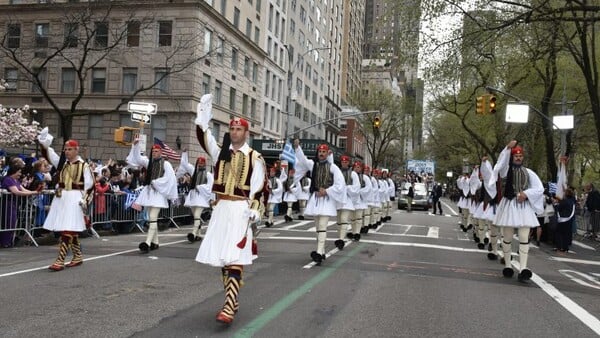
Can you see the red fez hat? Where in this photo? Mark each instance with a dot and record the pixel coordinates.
(156, 146)
(367, 168)
(376, 171)
(323, 146)
(72, 143)
(201, 160)
(345, 158)
(238, 121)
(516, 150)
(357, 164)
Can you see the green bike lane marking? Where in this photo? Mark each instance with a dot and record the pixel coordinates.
(259, 322)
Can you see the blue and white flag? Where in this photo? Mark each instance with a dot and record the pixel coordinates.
(552, 187)
(288, 153)
(130, 198)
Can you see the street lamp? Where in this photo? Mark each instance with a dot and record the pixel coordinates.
(292, 96)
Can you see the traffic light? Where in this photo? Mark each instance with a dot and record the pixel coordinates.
(481, 105)
(376, 122)
(126, 135)
(492, 104)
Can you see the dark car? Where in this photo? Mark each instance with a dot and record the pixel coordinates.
(421, 199)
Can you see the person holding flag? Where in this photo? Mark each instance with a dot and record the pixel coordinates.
(74, 190)
(160, 188)
(200, 193)
(239, 186)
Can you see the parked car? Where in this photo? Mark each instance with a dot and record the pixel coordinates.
(421, 199)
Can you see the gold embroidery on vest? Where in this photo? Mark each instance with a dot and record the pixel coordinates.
(233, 174)
(71, 174)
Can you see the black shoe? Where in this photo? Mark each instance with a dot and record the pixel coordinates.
(339, 244)
(492, 257)
(508, 272)
(470, 226)
(462, 227)
(356, 237)
(524, 275)
(317, 258)
(476, 239)
(153, 246)
(288, 218)
(191, 238)
(480, 246)
(198, 238)
(350, 235)
(486, 240)
(144, 248)
(268, 225)
(489, 246)
(301, 217)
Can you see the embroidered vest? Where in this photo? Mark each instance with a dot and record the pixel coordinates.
(71, 176)
(233, 177)
(347, 173)
(322, 177)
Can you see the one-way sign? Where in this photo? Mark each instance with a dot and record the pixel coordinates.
(137, 117)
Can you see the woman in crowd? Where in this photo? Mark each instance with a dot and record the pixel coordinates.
(565, 209)
(11, 182)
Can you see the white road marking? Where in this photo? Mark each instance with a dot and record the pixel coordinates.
(580, 313)
(433, 232)
(576, 277)
(572, 260)
(585, 246)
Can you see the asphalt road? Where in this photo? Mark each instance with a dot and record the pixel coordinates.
(416, 275)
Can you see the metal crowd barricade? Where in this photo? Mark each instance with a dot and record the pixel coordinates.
(112, 210)
(176, 211)
(16, 215)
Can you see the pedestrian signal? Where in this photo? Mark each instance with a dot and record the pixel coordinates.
(376, 122)
(480, 106)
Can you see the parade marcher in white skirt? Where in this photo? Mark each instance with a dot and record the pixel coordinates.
(328, 190)
(475, 187)
(487, 211)
(376, 200)
(160, 188)
(303, 195)
(200, 193)
(290, 195)
(522, 198)
(391, 194)
(346, 210)
(275, 195)
(464, 202)
(384, 196)
(239, 181)
(371, 201)
(360, 201)
(74, 191)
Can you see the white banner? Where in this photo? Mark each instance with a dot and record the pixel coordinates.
(421, 166)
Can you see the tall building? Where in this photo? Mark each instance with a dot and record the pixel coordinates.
(352, 44)
(391, 33)
(101, 55)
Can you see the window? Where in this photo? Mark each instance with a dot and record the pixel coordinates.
(42, 75)
(232, 94)
(71, 35)
(11, 76)
(42, 30)
(236, 17)
(218, 91)
(267, 82)
(223, 7)
(161, 79)
(255, 72)
(98, 80)
(159, 126)
(266, 115)
(68, 80)
(247, 67)
(272, 118)
(14, 36)
(95, 123)
(245, 105)
(216, 130)
(234, 59)
(220, 50)
(270, 25)
(207, 41)
(165, 29)
(256, 34)
(205, 84)
(129, 80)
(253, 109)
(101, 38)
(248, 28)
(133, 34)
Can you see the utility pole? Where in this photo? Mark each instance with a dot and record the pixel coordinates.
(564, 111)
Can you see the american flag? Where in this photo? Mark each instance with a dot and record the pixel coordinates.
(167, 151)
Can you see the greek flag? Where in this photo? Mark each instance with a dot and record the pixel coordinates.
(552, 187)
(131, 197)
(288, 153)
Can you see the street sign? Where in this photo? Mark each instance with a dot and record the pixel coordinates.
(142, 108)
(139, 117)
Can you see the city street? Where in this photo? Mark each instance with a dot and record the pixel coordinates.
(417, 275)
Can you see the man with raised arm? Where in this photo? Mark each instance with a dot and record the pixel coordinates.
(522, 198)
(239, 179)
